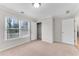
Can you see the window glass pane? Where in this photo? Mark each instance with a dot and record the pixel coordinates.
(17, 28)
(23, 28)
(12, 23)
(12, 28)
(24, 24)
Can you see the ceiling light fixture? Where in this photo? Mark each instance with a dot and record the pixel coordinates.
(36, 5)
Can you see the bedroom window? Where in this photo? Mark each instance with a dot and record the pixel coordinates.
(12, 28)
(16, 28)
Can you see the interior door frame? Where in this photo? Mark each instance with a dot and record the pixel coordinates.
(75, 31)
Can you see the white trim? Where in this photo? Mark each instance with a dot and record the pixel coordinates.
(75, 34)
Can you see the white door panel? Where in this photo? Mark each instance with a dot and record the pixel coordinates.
(68, 31)
(33, 31)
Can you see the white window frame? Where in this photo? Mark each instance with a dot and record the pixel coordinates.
(16, 28)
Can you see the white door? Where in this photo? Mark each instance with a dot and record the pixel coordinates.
(33, 31)
(68, 31)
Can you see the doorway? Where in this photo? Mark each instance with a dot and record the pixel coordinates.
(77, 32)
(39, 31)
(77, 36)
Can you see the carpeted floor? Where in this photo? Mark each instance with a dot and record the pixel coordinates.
(39, 48)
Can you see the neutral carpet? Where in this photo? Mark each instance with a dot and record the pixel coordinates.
(40, 48)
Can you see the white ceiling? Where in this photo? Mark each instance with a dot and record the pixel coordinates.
(45, 10)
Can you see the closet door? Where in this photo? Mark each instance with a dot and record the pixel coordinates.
(68, 31)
